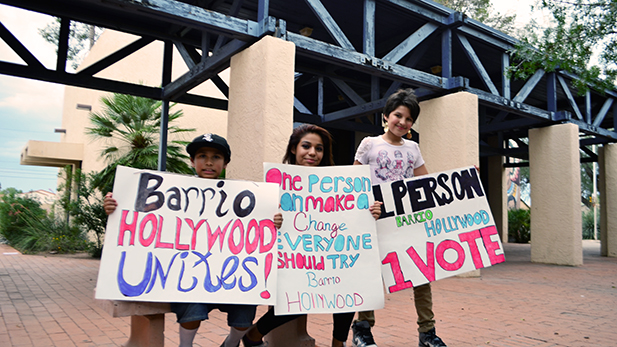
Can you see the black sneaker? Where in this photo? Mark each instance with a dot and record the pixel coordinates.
(248, 343)
(362, 336)
(430, 339)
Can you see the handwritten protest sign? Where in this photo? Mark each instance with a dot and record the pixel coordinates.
(433, 227)
(328, 258)
(177, 238)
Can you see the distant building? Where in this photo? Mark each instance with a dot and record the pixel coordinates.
(44, 197)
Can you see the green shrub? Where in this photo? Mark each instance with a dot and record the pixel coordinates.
(518, 226)
(86, 208)
(50, 234)
(14, 213)
(588, 225)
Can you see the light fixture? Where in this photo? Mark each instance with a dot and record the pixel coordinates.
(306, 31)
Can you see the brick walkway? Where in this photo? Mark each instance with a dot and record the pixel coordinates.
(48, 301)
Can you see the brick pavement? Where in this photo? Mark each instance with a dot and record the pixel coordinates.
(48, 301)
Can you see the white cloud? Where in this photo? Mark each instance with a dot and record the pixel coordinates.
(31, 96)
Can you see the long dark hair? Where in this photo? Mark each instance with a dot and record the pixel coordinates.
(299, 133)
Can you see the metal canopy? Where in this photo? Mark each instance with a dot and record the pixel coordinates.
(350, 55)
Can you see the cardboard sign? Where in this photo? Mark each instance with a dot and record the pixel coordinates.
(433, 227)
(176, 238)
(328, 257)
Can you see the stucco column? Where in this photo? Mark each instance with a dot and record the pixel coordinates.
(555, 176)
(608, 199)
(497, 190)
(260, 114)
(448, 128)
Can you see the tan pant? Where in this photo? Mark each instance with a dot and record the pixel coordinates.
(423, 300)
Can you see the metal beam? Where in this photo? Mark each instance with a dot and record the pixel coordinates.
(355, 111)
(566, 90)
(410, 43)
(529, 86)
(105, 85)
(368, 29)
(330, 24)
(339, 56)
(19, 49)
(203, 71)
(602, 114)
(477, 64)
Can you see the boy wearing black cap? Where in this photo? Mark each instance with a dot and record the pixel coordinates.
(210, 155)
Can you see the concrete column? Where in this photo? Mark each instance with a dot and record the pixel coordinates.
(448, 128)
(497, 191)
(608, 199)
(555, 176)
(260, 114)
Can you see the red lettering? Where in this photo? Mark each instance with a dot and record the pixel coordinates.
(127, 227)
(470, 237)
(399, 279)
(492, 246)
(149, 218)
(441, 249)
(329, 206)
(236, 248)
(158, 243)
(349, 198)
(428, 268)
(263, 225)
(217, 234)
(194, 228)
(339, 202)
(252, 246)
(178, 228)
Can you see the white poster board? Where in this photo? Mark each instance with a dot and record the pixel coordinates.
(176, 238)
(433, 227)
(328, 257)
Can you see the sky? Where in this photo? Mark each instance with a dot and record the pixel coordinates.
(31, 110)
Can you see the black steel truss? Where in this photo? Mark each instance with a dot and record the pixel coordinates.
(350, 55)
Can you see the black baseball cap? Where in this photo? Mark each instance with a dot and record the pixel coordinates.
(209, 140)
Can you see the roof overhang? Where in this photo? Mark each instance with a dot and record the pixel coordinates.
(54, 154)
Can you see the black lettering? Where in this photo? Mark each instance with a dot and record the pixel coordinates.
(243, 212)
(427, 185)
(174, 199)
(444, 199)
(379, 197)
(398, 192)
(144, 193)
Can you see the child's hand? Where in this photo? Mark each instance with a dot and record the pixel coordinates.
(376, 209)
(109, 203)
(278, 220)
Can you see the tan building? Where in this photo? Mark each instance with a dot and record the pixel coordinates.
(82, 151)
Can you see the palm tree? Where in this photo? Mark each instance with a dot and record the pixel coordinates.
(134, 124)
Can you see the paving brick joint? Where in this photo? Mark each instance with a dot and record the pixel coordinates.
(47, 300)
